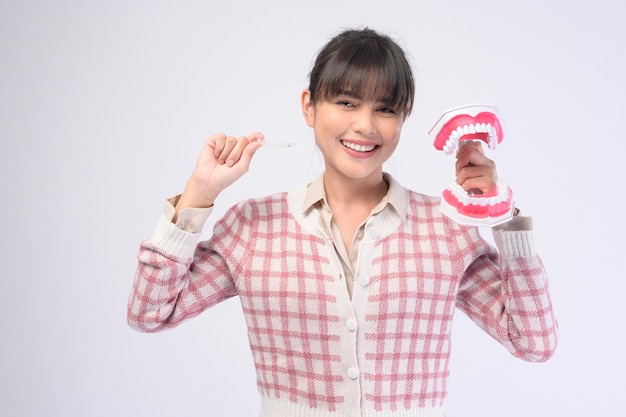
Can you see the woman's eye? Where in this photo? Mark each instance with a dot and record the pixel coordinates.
(386, 110)
(345, 103)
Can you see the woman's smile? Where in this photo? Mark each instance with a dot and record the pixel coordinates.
(359, 149)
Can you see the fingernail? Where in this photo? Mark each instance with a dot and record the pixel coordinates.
(230, 163)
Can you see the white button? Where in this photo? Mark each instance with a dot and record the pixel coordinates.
(364, 281)
(353, 373)
(351, 324)
(360, 236)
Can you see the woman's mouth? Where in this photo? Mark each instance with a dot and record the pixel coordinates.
(357, 147)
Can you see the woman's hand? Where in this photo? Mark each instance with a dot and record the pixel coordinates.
(222, 160)
(474, 171)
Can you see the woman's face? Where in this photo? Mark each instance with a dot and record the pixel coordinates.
(355, 136)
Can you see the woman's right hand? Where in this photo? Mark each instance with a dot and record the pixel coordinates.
(222, 160)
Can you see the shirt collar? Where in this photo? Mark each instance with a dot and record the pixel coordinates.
(395, 197)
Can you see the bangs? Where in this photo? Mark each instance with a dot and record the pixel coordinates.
(367, 70)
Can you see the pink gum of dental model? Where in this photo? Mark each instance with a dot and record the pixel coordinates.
(469, 123)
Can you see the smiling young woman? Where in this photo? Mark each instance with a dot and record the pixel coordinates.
(348, 284)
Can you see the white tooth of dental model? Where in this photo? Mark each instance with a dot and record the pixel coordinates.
(468, 123)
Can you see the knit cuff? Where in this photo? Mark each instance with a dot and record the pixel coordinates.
(168, 238)
(514, 244)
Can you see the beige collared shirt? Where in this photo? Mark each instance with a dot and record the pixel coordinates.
(315, 198)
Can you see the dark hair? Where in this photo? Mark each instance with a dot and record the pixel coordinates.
(363, 63)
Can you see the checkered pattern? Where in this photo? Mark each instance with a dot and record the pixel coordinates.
(296, 306)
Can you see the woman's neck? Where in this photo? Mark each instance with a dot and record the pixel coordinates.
(348, 192)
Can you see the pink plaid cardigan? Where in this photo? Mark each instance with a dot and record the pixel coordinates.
(318, 353)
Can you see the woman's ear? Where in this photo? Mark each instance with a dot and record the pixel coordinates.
(308, 108)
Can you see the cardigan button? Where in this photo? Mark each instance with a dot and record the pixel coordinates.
(364, 281)
(351, 324)
(353, 373)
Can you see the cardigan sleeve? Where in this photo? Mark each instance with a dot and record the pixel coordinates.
(178, 278)
(506, 294)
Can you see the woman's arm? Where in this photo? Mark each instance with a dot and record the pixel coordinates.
(176, 278)
(507, 295)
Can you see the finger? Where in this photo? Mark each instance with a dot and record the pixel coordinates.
(481, 177)
(470, 145)
(255, 141)
(236, 151)
(469, 149)
(246, 147)
(256, 136)
(216, 142)
(478, 185)
(472, 157)
(475, 171)
(229, 143)
(249, 151)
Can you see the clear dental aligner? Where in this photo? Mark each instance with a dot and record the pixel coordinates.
(277, 144)
(469, 123)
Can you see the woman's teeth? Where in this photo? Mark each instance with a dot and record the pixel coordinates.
(357, 147)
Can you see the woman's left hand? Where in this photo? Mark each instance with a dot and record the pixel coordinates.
(474, 171)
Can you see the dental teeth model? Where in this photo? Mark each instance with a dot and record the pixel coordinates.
(470, 123)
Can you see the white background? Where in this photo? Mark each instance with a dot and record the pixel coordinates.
(105, 104)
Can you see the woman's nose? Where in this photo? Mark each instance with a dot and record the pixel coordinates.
(364, 121)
